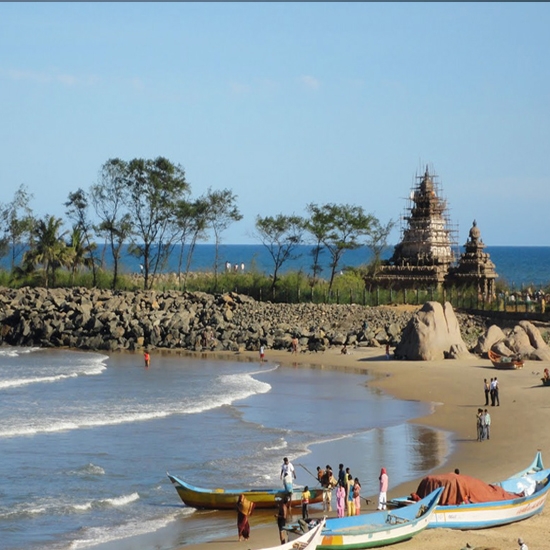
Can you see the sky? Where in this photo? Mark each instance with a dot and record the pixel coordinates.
(287, 104)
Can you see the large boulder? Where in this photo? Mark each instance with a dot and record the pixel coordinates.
(432, 334)
(524, 340)
(486, 341)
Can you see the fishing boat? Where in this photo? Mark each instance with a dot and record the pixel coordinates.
(307, 541)
(378, 528)
(226, 499)
(468, 503)
(504, 362)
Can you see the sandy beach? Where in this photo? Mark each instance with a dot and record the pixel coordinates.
(455, 388)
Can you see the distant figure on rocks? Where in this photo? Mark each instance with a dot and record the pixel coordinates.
(295, 346)
(146, 358)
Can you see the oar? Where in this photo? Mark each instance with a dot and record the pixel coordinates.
(309, 472)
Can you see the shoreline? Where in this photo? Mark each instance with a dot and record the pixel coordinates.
(455, 390)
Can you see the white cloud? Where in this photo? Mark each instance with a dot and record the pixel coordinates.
(49, 77)
(310, 82)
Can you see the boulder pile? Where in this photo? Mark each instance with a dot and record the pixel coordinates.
(524, 340)
(109, 320)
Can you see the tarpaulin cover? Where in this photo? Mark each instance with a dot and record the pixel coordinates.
(461, 489)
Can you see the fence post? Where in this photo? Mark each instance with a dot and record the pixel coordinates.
(364, 296)
(377, 295)
(350, 296)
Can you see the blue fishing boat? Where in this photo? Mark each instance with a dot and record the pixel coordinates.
(378, 528)
(469, 503)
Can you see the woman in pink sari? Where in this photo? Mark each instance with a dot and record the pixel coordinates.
(382, 496)
(340, 500)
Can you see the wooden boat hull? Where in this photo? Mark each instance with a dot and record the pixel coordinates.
(378, 528)
(226, 499)
(500, 362)
(308, 541)
(492, 514)
(488, 514)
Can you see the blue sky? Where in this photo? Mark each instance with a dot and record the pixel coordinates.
(287, 104)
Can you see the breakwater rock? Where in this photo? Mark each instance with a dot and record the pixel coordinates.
(95, 319)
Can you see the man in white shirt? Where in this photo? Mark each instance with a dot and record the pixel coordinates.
(522, 545)
(288, 473)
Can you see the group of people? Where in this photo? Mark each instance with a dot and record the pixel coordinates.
(348, 490)
(348, 497)
(483, 423)
(491, 390)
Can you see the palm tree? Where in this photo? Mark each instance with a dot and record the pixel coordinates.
(80, 253)
(49, 249)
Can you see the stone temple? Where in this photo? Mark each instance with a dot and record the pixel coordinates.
(425, 257)
(475, 268)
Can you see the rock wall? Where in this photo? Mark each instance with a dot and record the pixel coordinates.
(105, 320)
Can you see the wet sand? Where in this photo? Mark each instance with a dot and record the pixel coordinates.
(519, 428)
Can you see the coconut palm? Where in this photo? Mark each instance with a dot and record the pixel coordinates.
(49, 249)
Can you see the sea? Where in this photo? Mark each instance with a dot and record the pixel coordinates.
(86, 441)
(519, 267)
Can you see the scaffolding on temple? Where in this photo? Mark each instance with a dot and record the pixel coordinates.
(429, 244)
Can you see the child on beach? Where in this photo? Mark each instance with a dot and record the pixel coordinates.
(305, 501)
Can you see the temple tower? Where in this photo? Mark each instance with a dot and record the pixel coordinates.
(475, 268)
(425, 253)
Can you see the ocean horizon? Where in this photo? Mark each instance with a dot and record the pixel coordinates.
(518, 266)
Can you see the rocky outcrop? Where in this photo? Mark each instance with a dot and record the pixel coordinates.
(524, 340)
(432, 334)
(105, 320)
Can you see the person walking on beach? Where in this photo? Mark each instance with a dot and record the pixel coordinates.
(342, 475)
(522, 545)
(244, 510)
(146, 358)
(349, 494)
(282, 515)
(357, 496)
(486, 389)
(492, 391)
(487, 424)
(340, 500)
(479, 424)
(497, 399)
(288, 473)
(306, 495)
(328, 483)
(295, 346)
(387, 351)
(262, 354)
(382, 496)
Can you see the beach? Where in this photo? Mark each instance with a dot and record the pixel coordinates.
(455, 388)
